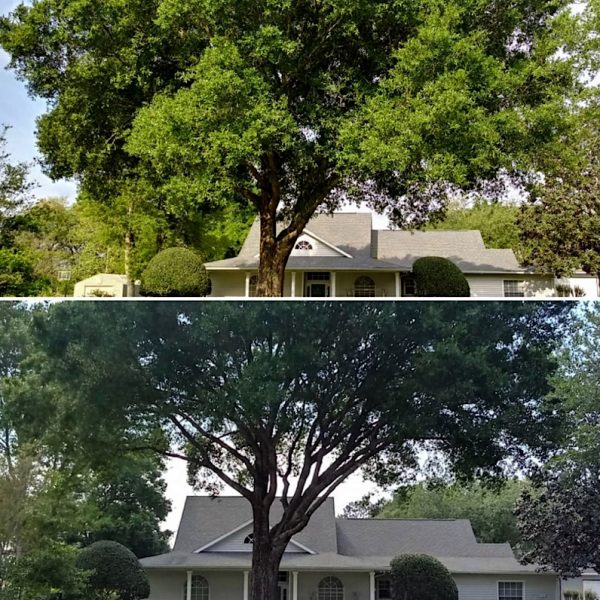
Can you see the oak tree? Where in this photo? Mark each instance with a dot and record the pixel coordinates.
(283, 401)
(290, 107)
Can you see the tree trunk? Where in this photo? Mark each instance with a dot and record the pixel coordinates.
(127, 260)
(273, 257)
(266, 558)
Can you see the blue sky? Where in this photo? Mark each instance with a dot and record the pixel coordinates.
(19, 111)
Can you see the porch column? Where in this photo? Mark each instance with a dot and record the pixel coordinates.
(188, 589)
(294, 585)
(333, 291)
(247, 292)
(372, 585)
(293, 292)
(398, 289)
(246, 573)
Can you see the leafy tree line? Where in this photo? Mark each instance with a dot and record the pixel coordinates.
(54, 501)
(286, 108)
(86, 238)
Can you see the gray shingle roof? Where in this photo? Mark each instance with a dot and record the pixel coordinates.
(382, 250)
(341, 544)
(205, 519)
(330, 562)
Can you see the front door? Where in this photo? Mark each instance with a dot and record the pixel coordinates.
(284, 585)
(318, 284)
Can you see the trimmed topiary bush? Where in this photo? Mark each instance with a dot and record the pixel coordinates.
(175, 272)
(421, 577)
(439, 277)
(114, 571)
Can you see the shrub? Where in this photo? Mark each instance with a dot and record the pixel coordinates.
(115, 571)
(438, 277)
(421, 577)
(175, 272)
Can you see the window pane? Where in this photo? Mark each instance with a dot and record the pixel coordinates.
(513, 288)
(510, 590)
(331, 588)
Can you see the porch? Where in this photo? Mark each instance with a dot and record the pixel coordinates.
(293, 585)
(318, 284)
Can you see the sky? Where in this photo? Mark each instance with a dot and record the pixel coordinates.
(19, 111)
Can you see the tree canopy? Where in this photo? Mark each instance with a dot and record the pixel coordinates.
(491, 509)
(560, 225)
(53, 499)
(495, 220)
(285, 400)
(293, 107)
(560, 517)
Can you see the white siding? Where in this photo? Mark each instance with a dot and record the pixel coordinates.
(227, 283)
(356, 585)
(485, 587)
(235, 543)
(318, 248)
(492, 286)
(223, 585)
(588, 284)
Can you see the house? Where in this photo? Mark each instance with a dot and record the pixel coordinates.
(109, 285)
(341, 255)
(332, 558)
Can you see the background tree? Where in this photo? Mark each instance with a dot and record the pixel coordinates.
(491, 510)
(560, 225)
(252, 395)
(294, 107)
(53, 499)
(419, 576)
(439, 277)
(495, 220)
(560, 518)
(14, 186)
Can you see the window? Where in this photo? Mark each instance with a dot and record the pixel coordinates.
(331, 588)
(249, 539)
(364, 287)
(252, 286)
(510, 590)
(317, 276)
(513, 288)
(303, 245)
(409, 286)
(384, 589)
(199, 588)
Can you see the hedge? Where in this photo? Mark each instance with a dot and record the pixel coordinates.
(175, 272)
(438, 277)
(421, 577)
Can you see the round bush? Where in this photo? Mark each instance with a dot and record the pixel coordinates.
(421, 577)
(439, 277)
(114, 569)
(175, 272)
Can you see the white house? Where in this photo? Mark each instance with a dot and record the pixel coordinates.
(333, 558)
(341, 255)
(110, 285)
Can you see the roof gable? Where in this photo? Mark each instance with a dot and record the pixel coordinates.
(207, 519)
(237, 540)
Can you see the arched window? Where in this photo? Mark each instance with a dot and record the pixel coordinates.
(252, 286)
(331, 588)
(199, 588)
(249, 539)
(364, 287)
(303, 245)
